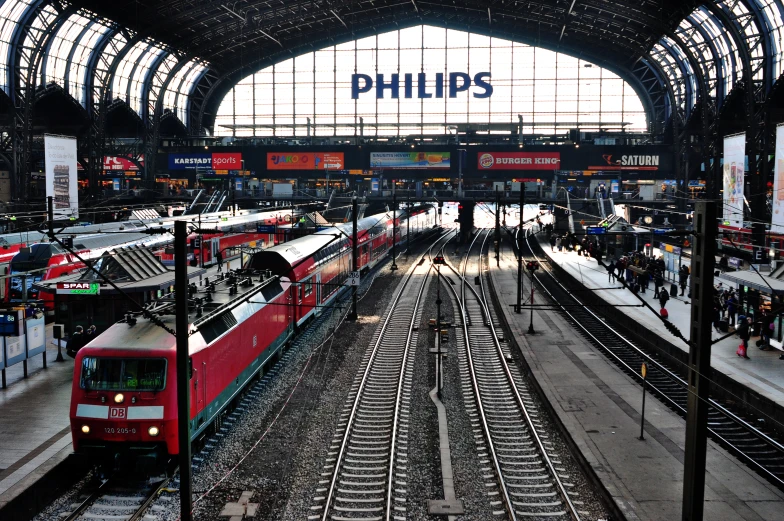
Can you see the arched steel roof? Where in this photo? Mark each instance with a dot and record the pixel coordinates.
(97, 50)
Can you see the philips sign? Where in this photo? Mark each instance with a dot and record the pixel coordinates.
(457, 82)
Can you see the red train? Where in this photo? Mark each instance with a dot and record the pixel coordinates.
(45, 261)
(123, 402)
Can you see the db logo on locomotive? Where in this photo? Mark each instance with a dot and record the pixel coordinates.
(117, 413)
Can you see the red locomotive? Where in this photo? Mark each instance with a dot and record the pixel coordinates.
(123, 402)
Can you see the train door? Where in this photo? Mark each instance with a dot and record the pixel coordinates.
(203, 395)
(318, 291)
(199, 387)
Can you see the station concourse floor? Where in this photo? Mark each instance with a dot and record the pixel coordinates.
(34, 429)
(600, 407)
(763, 373)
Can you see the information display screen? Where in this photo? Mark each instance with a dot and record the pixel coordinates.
(9, 324)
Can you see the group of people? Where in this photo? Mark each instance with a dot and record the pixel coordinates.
(570, 242)
(726, 307)
(639, 270)
(79, 339)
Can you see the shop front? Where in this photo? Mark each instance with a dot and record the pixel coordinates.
(760, 297)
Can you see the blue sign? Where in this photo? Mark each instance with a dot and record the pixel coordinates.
(10, 323)
(457, 82)
(662, 231)
(189, 161)
(265, 228)
(596, 230)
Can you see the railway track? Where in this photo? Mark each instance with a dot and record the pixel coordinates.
(525, 472)
(738, 434)
(116, 500)
(364, 477)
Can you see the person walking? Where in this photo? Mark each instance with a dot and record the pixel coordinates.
(219, 259)
(744, 332)
(611, 271)
(552, 242)
(559, 243)
(76, 342)
(663, 298)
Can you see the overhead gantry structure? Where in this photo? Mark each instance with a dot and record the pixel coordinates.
(701, 69)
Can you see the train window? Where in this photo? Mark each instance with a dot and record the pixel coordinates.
(120, 374)
(308, 287)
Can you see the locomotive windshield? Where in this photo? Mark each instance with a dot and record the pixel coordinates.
(118, 374)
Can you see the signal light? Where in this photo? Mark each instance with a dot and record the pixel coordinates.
(532, 265)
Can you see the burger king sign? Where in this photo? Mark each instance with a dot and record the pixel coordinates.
(519, 160)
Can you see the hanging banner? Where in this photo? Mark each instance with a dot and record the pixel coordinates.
(518, 160)
(60, 163)
(778, 179)
(305, 161)
(734, 163)
(412, 160)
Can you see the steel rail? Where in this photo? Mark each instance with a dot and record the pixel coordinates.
(572, 511)
(359, 393)
(664, 370)
(104, 490)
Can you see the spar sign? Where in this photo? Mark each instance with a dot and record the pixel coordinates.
(214, 161)
(518, 160)
(78, 288)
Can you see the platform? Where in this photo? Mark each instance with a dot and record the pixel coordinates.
(763, 373)
(600, 408)
(34, 431)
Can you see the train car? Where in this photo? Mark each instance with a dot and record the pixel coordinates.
(123, 401)
(319, 263)
(46, 261)
(124, 391)
(738, 242)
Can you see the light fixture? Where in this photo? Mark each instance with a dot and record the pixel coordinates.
(86, 429)
(119, 398)
(153, 431)
(647, 219)
(577, 145)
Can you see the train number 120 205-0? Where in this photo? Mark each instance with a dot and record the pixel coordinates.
(119, 430)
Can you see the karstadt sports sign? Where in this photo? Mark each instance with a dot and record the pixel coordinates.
(214, 161)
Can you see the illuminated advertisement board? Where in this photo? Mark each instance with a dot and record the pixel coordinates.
(734, 173)
(305, 161)
(61, 185)
(518, 160)
(410, 160)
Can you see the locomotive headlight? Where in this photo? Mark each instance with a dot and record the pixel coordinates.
(119, 398)
(153, 431)
(86, 429)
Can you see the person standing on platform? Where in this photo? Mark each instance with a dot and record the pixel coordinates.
(559, 243)
(744, 332)
(552, 242)
(683, 278)
(663, 298)
(91, 334)
(219, 259)
(732, 308)
(611, 271)
(76, 342)
(658, 282)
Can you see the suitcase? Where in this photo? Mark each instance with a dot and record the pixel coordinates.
(674, 290)
(664, 313)
(724, 326)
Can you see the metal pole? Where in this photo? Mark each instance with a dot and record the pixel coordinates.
(519, 306)
(642, 417)
(460, 172)
(354, 256)
(394, 228)
(438, 328)
(183, 366)
(201, 245)
(408, 226)
(50, 217)
(497, 228)
(531, 324)
(703, 260)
